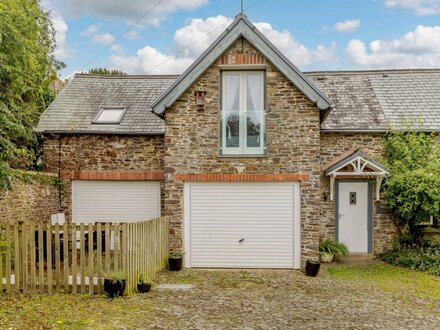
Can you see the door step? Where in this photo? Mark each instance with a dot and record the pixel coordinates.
(357, 259)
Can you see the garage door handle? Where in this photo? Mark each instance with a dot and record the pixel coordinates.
(241, 240)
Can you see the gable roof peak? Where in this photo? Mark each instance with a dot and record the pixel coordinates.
(241, 27)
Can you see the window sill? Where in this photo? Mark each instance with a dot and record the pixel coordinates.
(242, 156)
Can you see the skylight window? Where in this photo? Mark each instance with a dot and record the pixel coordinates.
(109, 116)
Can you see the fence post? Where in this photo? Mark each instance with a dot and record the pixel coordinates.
(124, 252)
(107, 247)
(82, 256)
(57, 258)
(1, 262)
(49, 257)
(17, 261)
(99, 256)
(40, 259)
(24, 257)
(66, 257)
(8, 258)
(74, 257)
(91, 255)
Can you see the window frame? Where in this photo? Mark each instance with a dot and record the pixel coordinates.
(242, 150)
(116, 122)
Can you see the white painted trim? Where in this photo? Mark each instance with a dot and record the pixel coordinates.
(187, 224)
(232, 67)
(296, 226)
(73, 202)
(332, 187)
(242, 149)
(379, 181)
(357, 174)
(356, 163)
(114, 122)
(430, 222)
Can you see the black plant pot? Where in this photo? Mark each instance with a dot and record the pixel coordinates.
(143, 287)
(175, 264)
(114, 288)
(312, 268)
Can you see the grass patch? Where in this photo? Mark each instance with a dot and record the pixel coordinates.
(399, 281)
(58, 311)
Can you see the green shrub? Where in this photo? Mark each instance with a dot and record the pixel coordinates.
(333, 247)
(176, 255)
(116, 275)
(433, 242)
(144, 279)
(425, 258)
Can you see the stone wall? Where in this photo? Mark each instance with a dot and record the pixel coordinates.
(120, 154)
(192, 141)
(28, 202)
(335, 144)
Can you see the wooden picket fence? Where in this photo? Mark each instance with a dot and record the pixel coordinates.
(73, 258)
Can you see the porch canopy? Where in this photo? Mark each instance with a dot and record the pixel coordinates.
(354, 164)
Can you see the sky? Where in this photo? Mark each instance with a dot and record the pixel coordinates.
(314, 34)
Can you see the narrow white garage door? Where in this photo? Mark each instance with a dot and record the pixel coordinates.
(115, 201)
(242, 225)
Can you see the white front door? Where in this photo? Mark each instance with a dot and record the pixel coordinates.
(353, 215)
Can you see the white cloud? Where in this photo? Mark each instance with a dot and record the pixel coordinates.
(149, 58)
(90, 31)
(293, 49)
(190, 41)
(61, 29)
(132, 35)
(416, 49)
(420, 7)
(62, 51)
(194, 31)
(93, 33)
(347, 25)
(104, 38)
(132, 9)
(117, 48)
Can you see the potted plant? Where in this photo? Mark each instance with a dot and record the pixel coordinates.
(312, 267)
(329, 248)
(144, 284)
(175, 261)
(115, 283)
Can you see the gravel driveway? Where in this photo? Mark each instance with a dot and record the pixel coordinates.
(283, 300)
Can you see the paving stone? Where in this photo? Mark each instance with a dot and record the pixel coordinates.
(283, 300)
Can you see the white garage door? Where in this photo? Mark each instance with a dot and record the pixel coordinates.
(242, 225)
(115, 201)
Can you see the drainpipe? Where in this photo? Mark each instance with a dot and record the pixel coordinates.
(59, 175)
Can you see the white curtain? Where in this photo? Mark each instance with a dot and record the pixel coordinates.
(254, 102)
(232, 104)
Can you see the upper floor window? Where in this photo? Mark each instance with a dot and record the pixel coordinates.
(109, 116)
(243, 113)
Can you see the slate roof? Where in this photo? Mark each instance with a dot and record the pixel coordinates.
(75, 108)
(364, 101)
(378, 100)
(242, 27)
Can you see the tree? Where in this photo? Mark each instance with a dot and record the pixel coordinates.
(412, 191)
(27, 66)
(110, 72)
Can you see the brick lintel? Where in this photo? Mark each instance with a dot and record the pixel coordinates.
(113, 175)
(243, 177)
